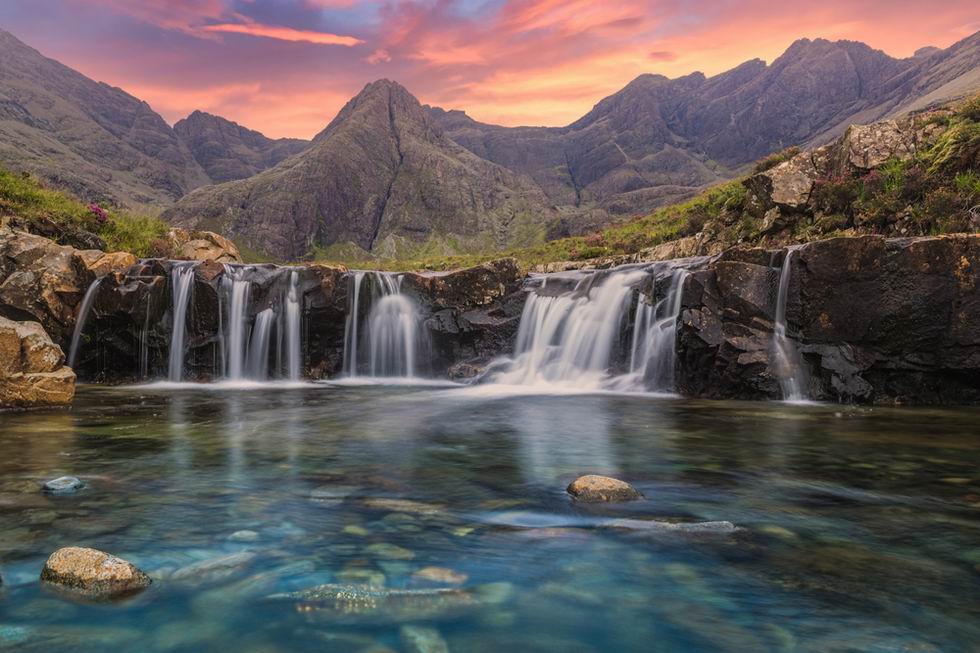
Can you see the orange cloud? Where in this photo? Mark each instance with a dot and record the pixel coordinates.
(283, 33)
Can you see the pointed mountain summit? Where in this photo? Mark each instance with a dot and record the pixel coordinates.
(87, 137)
(228, 151)
(381, 177)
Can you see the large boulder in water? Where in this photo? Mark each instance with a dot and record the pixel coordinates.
(32, 371)
(602, 489)
(93, 573)
(209, 246)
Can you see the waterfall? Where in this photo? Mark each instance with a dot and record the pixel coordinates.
(352, 325)
(570, 337)
(181, 283)
(83, 311)
(787, 365)
(654, 351)
(293, 355)
(258, 348)
(393, 333)
(574, 335)
(237, 289)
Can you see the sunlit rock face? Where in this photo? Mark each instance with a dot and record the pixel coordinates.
(32, 370)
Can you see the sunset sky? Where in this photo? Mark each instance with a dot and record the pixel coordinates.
(285, 67)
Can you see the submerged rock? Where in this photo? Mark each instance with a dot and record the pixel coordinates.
(93, 573)
(422, 639)
(596, 489)
(440, 575)
(369, 605)
(214, 569)
(63, 485)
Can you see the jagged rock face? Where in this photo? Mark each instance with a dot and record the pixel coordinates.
(228, 151)
(875, 320)
(203, 246)
(32, 371)
(42, 281)
(94, 140)
(658, 139)
(382, 176)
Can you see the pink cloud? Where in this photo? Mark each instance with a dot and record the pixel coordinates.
(282, 33)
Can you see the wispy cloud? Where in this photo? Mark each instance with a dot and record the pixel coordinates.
(282, 33)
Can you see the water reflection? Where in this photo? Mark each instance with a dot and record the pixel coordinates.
(852, 520)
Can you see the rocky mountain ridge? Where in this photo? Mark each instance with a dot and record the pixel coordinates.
(382, 176)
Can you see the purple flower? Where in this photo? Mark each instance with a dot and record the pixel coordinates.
(100, 213)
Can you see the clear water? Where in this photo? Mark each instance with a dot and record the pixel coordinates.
(859, 526)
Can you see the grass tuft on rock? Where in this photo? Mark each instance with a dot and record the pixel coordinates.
(70, 221)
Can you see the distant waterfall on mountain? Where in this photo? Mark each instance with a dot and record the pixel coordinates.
(393, 334)
(571, 336)
(785, 358)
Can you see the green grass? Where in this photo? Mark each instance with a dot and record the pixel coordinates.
(24, 197)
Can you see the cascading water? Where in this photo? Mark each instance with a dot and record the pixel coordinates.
(393, 335)
(352, 325)
(258, 348)
(236, 287)
(654, 350)
(787, 366)
(181, 283)
(571, 338)
(83, 311)
(293, 346)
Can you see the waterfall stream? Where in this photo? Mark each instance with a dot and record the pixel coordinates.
(83, 311)
(393, 334)
(786, 359)
(236, 288)
(571, 337)
(181, 283)
(294, 365)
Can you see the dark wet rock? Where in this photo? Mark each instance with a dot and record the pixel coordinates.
(63, 485)
(596, 489)
(874, 320)
(422, 639)
(369, 605)
(93, 573)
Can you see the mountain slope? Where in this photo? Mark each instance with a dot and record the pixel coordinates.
(381, 177)
(228, 151)
(659, 139)
(85, 136)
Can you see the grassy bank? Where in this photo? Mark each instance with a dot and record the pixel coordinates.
(28, 202)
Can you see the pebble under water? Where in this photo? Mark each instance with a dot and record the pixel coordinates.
(857, 528)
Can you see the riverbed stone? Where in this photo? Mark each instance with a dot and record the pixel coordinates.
(93, 573)
(214, 569)
(422, 639)
(441, 575)
(593, 488)
(63, 485)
